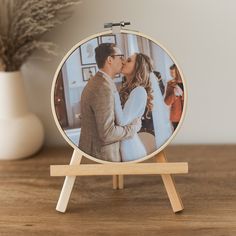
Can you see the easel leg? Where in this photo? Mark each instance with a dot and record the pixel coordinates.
(118, 181)
(68, 185)
(115, 181)
(169, 184)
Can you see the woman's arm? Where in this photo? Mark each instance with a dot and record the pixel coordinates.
(170, 95)
(103, 108)
(133, 108)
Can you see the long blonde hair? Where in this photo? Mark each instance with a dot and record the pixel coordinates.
(142, 69)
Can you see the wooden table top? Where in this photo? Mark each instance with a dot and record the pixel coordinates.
(28, 197)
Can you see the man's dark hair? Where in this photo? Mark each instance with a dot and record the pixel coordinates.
(102, 52)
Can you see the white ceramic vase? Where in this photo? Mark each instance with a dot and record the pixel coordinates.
(21, 132)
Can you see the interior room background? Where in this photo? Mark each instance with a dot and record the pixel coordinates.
(199, 34)
(80, 66)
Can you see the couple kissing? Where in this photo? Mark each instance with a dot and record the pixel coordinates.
(111, 120)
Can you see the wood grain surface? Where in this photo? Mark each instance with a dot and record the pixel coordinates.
(28, 197)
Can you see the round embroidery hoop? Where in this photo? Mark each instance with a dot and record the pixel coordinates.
(104, 33)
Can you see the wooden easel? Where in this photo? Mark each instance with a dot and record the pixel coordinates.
(118, 170)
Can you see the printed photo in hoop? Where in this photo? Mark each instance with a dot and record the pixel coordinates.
(119, 98)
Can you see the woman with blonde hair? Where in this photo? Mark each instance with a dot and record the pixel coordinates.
(135, 97)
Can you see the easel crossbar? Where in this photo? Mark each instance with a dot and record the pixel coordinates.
(119, 169)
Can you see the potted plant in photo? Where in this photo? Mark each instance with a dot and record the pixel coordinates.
(22, 25)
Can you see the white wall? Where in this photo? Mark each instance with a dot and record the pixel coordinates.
(200, 34)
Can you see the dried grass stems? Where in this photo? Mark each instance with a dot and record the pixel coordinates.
(22, 25)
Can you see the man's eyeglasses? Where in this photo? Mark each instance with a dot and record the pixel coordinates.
(122, 56)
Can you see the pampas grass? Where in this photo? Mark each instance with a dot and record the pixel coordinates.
(22, 25)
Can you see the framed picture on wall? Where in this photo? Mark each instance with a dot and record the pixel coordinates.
(108, 39)
(87, 52)
(88, 72)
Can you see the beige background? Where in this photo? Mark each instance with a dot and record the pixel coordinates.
(200, 34)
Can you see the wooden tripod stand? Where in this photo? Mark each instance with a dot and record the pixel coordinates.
(118, 170)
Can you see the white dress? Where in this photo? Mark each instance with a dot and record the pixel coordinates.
(131, 148)
(160, 115)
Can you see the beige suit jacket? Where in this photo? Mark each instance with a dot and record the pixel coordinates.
(100, 137)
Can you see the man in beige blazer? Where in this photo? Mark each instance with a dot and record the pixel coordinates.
(100, 136)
